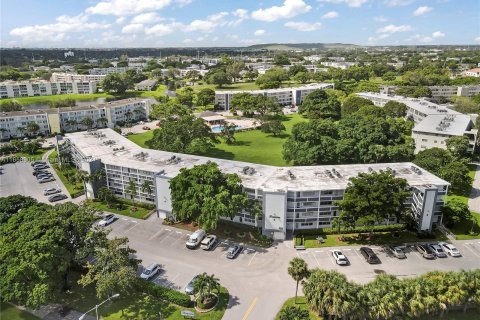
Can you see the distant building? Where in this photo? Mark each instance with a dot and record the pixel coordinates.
(14, 89)
(285, 96)
(107, 71)
(146, 85)
(65, 77)
(441, 91)
(472, 73)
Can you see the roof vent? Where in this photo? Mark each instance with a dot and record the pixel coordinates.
(329, 173)
(291, 175)
(248, 170)
(370, 169)
(174, 160)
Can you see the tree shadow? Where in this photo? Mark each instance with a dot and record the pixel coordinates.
(218, 153)
(279, 136)
(241, 143)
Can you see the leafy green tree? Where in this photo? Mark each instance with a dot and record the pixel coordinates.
(146, 187)
(302, 77)
(244, 102)
(389, 76)
(274, 127)
(455, 211)
(233, 70)
(217, 77)
(185, 96)
(433, 159)
(375, 196)
(205, 286)
(293, 313)
(228, 132)
(204, 194)
(184, 134)
(353, 103)
(106, 195)
(272, 78)
(395, 109)
(169, 109)
(458, 146)
(296, 68)
(298, 270)
(12, 204)
(192, 75)
(31, 147)
(264, 105)
(131, 189)
(115, 83)
(457, 174)
(9, 106)
(32, 127)
(87, 122)
(281, 60)
(205, 97)
(319, 105)
(114, 270)
(251, 74)
(384, 297)
(84, 177)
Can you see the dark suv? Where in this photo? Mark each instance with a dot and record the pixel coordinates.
(369, 255)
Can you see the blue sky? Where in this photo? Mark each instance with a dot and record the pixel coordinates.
(160, 23)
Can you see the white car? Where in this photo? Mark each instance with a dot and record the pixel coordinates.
(109, 218)
(437, 250)
(208, 242)
(450, 249)
(339, 257)
(150, 272)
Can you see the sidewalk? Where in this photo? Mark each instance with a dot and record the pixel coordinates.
(474, 200)
(57, 312)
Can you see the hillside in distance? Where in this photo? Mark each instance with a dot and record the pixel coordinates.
(303, 46)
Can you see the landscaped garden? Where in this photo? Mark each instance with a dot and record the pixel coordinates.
(123, 207)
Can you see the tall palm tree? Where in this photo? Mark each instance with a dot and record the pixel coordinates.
(385, 297)
(146, 187)
(87, 122)
(204, 286)
(32, 127)
(131, 189)
(84, 177)
(102, 121)
(298, 270)
(106, 195)
(21, 129)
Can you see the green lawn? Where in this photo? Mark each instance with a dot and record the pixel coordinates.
(125, 209)
(462, 230)
(300, 303)
(250, 146)
(466, 195)
(9, 312)
(135, 306)
(30, 157)
(159, 92)
(379, 238)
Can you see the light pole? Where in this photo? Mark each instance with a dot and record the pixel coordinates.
(96, 307)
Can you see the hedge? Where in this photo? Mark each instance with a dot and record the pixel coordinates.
(358, 229)
(164, 293)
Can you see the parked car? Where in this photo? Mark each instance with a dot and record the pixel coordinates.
(37, 172)
(437, 250)
(46, 179)
(450, 249)
(396, 252)
(189, 288)
(57, 197)
(209, 242)
(50, 191)
(425, 251)
(40, 166)
(38, 162)
(233, 251)
(145, 128)
(339, 257)
(26, 139)
(195, 239)
(41, 176)
(369, 255)
(150, 271)
(109, 218)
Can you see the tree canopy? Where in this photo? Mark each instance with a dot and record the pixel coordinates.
(115, 83)
(319, 105)
(204, 194)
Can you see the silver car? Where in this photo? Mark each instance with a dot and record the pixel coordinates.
(189, 288)
(437, 250)
(150, 271)
(50, 191)
(397, 252)
(46, 179)
(233, 251)
(450, 249)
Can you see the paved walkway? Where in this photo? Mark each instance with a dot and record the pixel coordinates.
(474, 201)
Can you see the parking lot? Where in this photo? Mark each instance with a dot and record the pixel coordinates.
(17, 178)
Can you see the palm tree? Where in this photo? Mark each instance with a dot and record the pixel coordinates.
(385, 297)
(146, 187)
(84, 177)
(2, 130)
(131, 189)
(33, 127)
(106, 195)
(72, 124)
(204, 286)
(102, 121)
(293, 313)
(298, 270)
(87, 122)
(21, 129)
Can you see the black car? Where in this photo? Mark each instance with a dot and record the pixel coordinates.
(369, 255)
(37, 172)
(57, 197)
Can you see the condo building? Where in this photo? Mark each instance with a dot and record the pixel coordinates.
(67, 77)
(291, 198)
(285, 96)
(440, 91)
(14, 89)
(70, 119)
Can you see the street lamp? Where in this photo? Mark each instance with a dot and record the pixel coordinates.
(96, 307)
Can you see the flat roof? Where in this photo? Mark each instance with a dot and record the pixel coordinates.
(421, 105)
(126, 153)
(305, 87)
(21, 113)
(451, 125)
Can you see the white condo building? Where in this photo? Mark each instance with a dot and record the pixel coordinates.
(441, 91)
(285, 96)
(14, 89)
(433, 123)
(291, 198)
(67, 77)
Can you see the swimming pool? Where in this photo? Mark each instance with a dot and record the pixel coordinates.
(218, 128)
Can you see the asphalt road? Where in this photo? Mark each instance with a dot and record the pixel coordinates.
(257, 279)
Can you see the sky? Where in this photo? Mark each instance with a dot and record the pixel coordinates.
(200, 23)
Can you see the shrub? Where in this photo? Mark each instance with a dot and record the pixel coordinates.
(208, 303)
(358, 229)
(164, 293)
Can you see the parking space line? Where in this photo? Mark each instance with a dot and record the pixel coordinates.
(156, 234)
(252, 258)
(178, 232)
(168, 230)
(136, 224)
(466, 245)
(330, 257)
(360, 256)
(316, 260)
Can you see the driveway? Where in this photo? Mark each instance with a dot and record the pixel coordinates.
(474, 201)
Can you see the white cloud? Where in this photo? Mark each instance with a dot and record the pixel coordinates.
(438, 34)
(427, 39)
(241, 13)
(391, 28)
(398, 3)
(380, 19)
(289, 9)
(303, 26)
(422, 10)
(477, 39)
(57, 31)
(350, 3)
(183, 3)
(120, 20)
(127, 7)
(161, 29)
(208, 25)
(187, 40)
(330, 15)
(259, 32)
(133, 28)
(146, 18)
